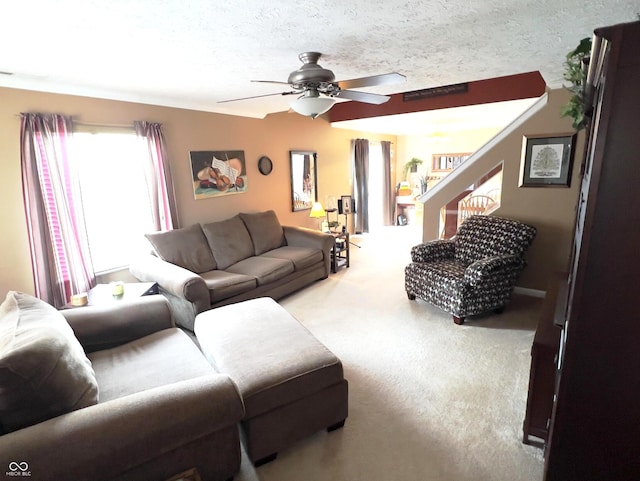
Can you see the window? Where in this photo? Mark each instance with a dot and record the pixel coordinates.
(114, 195)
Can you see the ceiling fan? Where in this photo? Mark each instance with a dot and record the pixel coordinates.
(317, 88)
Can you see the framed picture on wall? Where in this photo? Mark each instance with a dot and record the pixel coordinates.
(218, 172)
(346, 205)
(547, 161)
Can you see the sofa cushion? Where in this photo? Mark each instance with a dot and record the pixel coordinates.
(223, 284)
(143, 364)
(186, 247)
(265, 231)
(229, 241)
(300, 256)
(270, 355)
(264, 269)
(44, 371)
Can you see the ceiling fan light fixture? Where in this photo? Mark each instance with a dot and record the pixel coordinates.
(311, 104)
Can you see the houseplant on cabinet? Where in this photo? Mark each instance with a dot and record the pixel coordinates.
(576, 64)
(411, 166)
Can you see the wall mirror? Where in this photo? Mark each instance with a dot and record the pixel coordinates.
(304, 186)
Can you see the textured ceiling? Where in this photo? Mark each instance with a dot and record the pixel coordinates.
(194, 53)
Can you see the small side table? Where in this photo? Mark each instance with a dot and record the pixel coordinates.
(340, 251)
(100, 295)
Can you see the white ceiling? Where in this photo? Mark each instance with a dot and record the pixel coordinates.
(195, 53)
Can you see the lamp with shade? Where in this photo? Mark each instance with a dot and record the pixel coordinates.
(317, 212)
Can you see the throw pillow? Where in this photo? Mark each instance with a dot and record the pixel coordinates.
(44, 371)
(265, 231)
(186, 247)
(229, 241)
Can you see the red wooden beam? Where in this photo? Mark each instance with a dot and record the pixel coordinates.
(499, 89)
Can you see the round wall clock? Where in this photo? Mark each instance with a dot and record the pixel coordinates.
(265, 166)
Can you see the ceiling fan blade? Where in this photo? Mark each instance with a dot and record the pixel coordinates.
(372, 81)
(292, 92)
(362, 97)
(271, 82)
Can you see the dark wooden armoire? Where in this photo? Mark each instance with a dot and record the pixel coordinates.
(594, 432)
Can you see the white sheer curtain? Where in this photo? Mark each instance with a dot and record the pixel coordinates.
(158, 175)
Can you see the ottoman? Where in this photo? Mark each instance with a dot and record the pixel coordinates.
(291, 384)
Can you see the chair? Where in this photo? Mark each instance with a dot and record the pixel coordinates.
(475, 271)
(495, 194)
(111, 393)
(475, 205)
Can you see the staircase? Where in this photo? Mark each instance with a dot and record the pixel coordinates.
(441, 209)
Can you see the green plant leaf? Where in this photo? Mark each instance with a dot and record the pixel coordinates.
(413, 162)
(583, 49)
(575, 74)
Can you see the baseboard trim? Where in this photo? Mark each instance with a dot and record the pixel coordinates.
(525, 291)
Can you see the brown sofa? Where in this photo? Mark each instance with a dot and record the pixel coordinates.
(110, 393)
(247, 256)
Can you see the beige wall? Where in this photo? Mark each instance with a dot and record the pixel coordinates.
(425, 146)
(185, 130)
(550, 209)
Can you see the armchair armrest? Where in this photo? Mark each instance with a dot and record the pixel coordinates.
(111, 439)
(479, 271)
(303, 237)
(435, 250)
(102, 327)
(173, 279)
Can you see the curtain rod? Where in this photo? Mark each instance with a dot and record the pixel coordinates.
(378, 141)
(102, 124)
(91, 124)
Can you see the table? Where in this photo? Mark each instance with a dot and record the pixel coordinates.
(340, 251)
(405, 206)
(101, 293)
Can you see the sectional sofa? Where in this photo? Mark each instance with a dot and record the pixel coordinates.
(110, 393)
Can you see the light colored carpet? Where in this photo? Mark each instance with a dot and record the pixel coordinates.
(428, 400)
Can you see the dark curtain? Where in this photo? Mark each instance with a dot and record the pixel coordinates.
(388, 197)
(306, 166)
(361, 182)
(307, 185)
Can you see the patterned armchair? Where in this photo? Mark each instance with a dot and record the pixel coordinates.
(473, 272)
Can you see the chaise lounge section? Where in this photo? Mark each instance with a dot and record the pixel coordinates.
(111, 393)
(247, 256)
